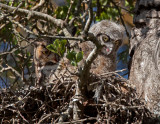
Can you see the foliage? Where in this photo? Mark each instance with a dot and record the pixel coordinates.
(74, 57)
(58, 46)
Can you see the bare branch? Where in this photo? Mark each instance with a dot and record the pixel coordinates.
(17, 8)
(13, 50)
(117, 7)
(41, 3)
(12, 69)
(69, 11)
(21, 26)
(90, 18)
(34, 14)
(63, 37)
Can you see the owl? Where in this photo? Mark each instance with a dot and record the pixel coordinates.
(111, 36)
(46, 62)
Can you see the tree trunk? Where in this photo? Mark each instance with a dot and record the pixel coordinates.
(145, 42)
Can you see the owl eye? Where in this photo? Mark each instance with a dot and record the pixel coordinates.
(117, 42)
(105, 38)
(46, 52)
(43, 46)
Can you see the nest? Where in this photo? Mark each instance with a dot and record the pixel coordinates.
(110, 100)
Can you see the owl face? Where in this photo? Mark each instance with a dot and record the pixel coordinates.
(44, 56)
(109, 45)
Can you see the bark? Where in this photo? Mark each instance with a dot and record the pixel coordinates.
(145, 41)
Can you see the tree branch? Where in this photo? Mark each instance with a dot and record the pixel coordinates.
(41, 3)
(120, 14)
(90, 18)
(69, 11)
(92, 56)
(33, 14)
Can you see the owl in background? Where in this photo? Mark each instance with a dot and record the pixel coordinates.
(111, 35)
(46, 62)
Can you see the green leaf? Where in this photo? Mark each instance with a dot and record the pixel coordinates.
(74, 57)
(58, 47)
(56, 43)
(51, 48)
(73, 63)
(71, 55)
(79, 56)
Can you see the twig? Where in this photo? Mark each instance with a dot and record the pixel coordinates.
(65, 115)
(17, 8)
(10, 68)
(22, 117)
(90, 18)
(41, 3)
(63, 37)
(121, 17)
(113, 72)
(15, 49)
(132, 12)
(46, 116)
(78, 121)
(21, 26)
(117, 105)
(116, 73)
(69, 10)
(15, 71)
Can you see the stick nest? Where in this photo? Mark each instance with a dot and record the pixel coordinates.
(110, 100)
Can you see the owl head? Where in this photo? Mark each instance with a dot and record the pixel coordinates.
(109, 45)
(43, 55)
(109, 34)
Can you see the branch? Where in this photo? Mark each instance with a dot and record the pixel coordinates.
(21, 26)
(14, 49)
(12, 69)
(65, 115)
(93, 54)
(84, 71)
(89, 21)
(63, 37)
(129, 11)
(69, 10)
(120, 17)
(78, 121)
(81, 89)
(41, 3)
(39, 15)
(33, 14)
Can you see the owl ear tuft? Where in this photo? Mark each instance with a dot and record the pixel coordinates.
(36, 44)
(99, 34)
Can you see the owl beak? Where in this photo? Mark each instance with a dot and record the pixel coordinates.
(108, 50)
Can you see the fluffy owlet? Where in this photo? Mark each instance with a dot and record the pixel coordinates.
(111, 35)
(46, 62)
(108, 33)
